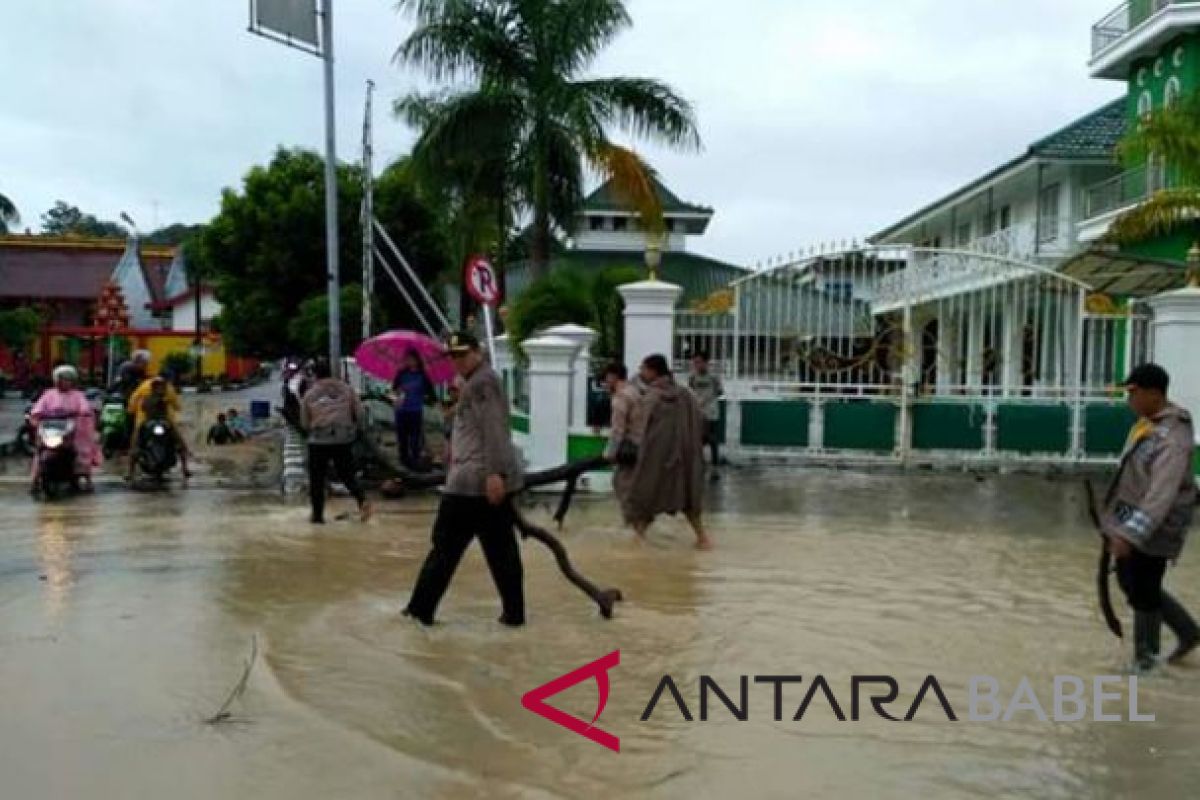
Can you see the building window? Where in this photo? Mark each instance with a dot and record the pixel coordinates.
(620, 223)
(1048, 213)
(596, 223)
(1145, 105)
(1005, 218)
(1171, 93)
(963, 236)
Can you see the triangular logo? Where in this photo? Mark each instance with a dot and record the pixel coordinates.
(534, 700)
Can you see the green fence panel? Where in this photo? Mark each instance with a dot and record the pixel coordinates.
(862, 425)
(1106, 428)
(519, 423)
(775, 424)
(581, 446)
(948, 426)
(1033, 428)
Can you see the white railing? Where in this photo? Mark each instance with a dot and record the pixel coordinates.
(1124, 20)
(1124, 190)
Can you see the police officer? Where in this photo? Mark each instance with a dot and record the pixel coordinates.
(484, 472)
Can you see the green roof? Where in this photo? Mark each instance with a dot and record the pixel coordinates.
(698, 275)
(1090, 138)
(605, 199)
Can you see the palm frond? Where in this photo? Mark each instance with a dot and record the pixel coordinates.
(1159, 215)
(8, 212)
(632, 181)
(1171, 134)
(642, 107)
(578, 30)
(468, 40)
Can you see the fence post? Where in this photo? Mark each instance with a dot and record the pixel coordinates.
(649, 320)
(502, 363)
(1176, 329)
(582, 338)
(550, 360)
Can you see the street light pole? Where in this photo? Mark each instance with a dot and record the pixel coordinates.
(331, 192)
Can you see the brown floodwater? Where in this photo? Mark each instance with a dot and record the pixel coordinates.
(125, 620)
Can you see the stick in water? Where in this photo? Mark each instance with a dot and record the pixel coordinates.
(239, 688)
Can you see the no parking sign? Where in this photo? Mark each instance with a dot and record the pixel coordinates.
(482, 283)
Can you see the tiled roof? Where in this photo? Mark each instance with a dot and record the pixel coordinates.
(606, 199)
(47, 269)
(1092, 137)
(699, 275)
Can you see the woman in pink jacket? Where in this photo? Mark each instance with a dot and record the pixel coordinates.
(64, 400)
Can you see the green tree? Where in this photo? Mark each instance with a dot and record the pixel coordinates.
(531, 119)
(265, 251)
(1169, 137)
(310, 328)
(173, 235)
(19, 327)
(8, 214)
(65, 219)
(572, 296)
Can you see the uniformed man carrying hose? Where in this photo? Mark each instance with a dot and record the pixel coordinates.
(484, 472)
(1148, 511)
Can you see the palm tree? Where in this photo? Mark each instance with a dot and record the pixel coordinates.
(531, 120)
(8, 214)
(1171, 137)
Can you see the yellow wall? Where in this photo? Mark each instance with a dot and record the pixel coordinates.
(160, 346)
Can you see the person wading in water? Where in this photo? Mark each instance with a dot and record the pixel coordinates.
(708, 389)
(1147, 513)
(669, 475)
(332, 415)
(484, 472)
(622, 448)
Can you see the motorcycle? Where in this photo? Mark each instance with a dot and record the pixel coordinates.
(55, 458)
(157, 452)
(114, 425)
(26, 441)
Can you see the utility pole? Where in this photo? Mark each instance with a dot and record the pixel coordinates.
(331, 193)
(368, 214)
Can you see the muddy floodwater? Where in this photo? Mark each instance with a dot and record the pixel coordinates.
(125, 621)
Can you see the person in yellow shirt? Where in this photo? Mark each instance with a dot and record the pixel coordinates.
(156, 398)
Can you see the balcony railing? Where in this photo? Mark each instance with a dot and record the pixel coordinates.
(1126, 189)
(1129, 16)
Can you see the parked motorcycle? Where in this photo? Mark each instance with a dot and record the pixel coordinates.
(55, 466)
(157, 452)
(114, 425)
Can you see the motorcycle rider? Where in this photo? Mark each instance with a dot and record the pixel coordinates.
(64, 400)
(156, 398)
(131, 374)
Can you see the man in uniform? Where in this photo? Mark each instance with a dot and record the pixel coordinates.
(484, 472)
(1147, 513)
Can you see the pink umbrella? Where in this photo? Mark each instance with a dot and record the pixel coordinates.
(383, 356)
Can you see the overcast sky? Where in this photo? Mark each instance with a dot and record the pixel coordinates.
(821, 120)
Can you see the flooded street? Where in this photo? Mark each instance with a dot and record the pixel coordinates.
(125, 621)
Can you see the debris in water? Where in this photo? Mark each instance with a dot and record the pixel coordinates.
(223, 714)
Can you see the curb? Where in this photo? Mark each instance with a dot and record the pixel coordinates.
(294, 477)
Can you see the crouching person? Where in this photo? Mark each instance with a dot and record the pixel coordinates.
(1147, 513)
(484, 472)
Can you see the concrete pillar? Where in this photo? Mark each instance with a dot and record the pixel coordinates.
(1176, 334)
(581, 368)
(649, 320)
(550, 360)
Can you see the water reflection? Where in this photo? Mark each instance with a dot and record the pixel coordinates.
(56, 550)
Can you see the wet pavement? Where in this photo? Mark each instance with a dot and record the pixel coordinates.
(125, 620)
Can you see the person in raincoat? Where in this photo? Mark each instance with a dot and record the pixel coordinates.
(157, 398)
(64, 400)
(1148, 511)
(668, 477)
(621, 450)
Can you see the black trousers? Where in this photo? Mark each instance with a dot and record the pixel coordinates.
(459, 520)
(410, 431)
(1141, 578)
(320, 456)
